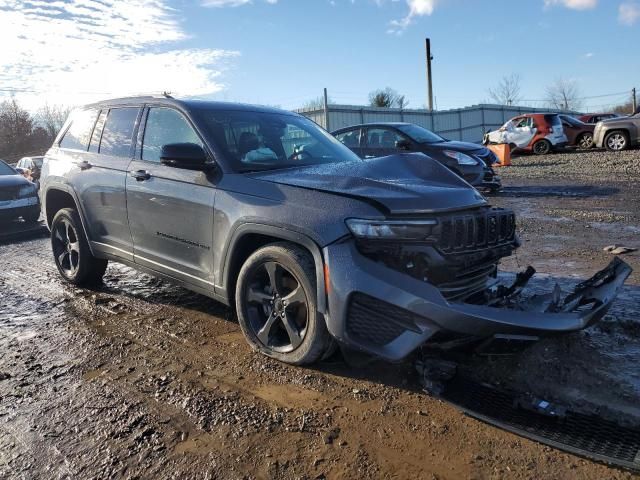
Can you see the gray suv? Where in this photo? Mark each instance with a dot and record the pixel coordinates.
(619, 133)
(265, 211)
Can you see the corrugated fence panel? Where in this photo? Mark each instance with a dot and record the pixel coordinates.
(467, 124)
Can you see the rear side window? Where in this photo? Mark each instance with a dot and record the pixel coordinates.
(78, 134)
(165, 126)
(118, 131)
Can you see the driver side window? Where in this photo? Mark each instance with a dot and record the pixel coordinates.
(165, 126)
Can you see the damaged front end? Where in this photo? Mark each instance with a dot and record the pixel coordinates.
(435, 281)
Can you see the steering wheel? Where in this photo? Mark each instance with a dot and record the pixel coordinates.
(300, 156)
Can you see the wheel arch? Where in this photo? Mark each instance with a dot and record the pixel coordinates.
(61, 196)
(249, 237)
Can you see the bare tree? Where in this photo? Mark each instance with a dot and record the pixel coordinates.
(564, 94)
(52, 118)
(18, 134)
(387, 98)
(508, 90)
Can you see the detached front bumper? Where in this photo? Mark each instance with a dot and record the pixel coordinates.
(381, 311)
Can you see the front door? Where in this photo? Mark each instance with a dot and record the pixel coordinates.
(522, 132)
(381, 142)
(170, 210)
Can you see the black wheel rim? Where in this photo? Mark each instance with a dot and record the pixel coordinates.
(276, 307)
(541, 147)
(66, 248)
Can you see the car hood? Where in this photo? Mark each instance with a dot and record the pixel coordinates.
(400, 184)
(13, 180)
(458, 146)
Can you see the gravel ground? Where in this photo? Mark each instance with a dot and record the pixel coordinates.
(141, 379)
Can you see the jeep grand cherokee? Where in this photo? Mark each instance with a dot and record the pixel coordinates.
(264, 210)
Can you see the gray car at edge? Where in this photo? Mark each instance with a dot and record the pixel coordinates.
(265, 211)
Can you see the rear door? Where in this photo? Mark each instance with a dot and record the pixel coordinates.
(98, 145)
(170, 210)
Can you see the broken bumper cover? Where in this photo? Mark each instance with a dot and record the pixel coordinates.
(378, 310)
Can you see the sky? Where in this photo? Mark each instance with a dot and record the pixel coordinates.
(284, 52)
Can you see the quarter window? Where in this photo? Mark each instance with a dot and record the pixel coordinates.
(94, 145)
(118, 131)
(78, 134)
(165, 126)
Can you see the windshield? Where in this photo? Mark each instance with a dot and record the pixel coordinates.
(266, 141)
(6, 169)
(420, 134)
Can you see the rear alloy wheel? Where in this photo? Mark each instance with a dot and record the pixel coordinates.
(585, 142)
(616, 141)
(276, 305)
(542, 147)
(71, 251)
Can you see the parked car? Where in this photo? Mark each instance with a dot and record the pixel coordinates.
(579, 134)
(18, 196)
(264, 210)
(32, 167)
(617, 134)
(471, 161)
(597, 117)
(540, 133)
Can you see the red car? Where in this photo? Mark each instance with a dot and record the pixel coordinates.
(597, 117)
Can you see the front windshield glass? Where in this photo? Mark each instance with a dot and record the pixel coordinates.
(266, 141)
(573, 121)
(420, 134)
(6, 169)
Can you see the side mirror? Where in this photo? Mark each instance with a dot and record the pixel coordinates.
(184, 155)
(403, 145)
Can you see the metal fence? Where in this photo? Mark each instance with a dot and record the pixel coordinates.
(467, 124)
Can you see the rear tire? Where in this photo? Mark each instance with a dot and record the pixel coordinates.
(616, 141)
(585, 141)
(542, 147)
(276, 305)
(71, 252)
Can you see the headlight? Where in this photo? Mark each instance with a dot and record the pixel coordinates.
(391, 229)
(461, 158)
(27, 191)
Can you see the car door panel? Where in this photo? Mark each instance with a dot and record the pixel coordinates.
(170, 211)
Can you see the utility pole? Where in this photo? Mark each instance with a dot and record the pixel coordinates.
(325, 103)
(634, 101)
(429, 78)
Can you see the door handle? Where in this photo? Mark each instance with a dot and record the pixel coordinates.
(84, 165)
(369, 156)
(141, 175)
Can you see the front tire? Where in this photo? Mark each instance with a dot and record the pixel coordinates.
(71, 252)
(542, 147)
(616, 141)
(277, 307)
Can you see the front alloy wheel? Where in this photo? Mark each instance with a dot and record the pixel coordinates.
(276, 304)
(586, 141)
(277, 308)
(616, 141)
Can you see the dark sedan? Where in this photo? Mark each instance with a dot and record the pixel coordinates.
(471, 161)
(18, 196)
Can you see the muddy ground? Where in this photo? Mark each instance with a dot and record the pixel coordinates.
(141, 379)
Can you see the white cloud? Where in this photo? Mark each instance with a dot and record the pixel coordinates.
(629, 13)
(231, 3)
(417, 8)
(572, 4)
(77, 51)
